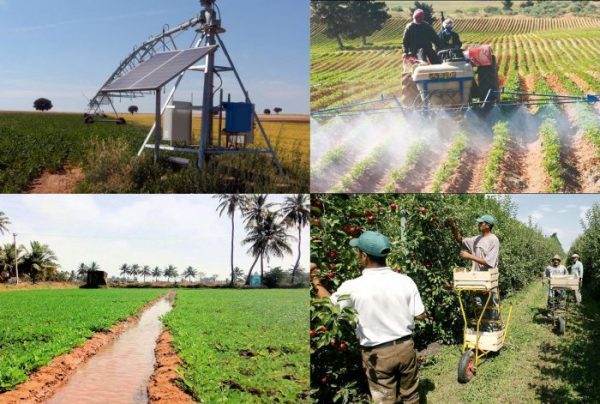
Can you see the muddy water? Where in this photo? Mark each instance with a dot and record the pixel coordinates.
(119, 373)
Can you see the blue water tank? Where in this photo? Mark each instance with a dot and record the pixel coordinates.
(239, 116)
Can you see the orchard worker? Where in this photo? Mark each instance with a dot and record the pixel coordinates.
(418, 34)
(448, 38)
(483, 252)
(555, 268)
(387, 304)
(577, 269)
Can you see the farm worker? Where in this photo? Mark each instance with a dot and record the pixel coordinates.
(577, 269)
(483, 252)
(418, 34)
(387, 304)
(448, 38)
(551, 270)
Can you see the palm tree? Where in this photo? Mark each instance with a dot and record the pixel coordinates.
(254, 211)
(4, 222)
(156, 273)
(295, 211)
(40, 260)
(134, 271)
(94, 266)
(145, 272)
(230, 203)
(190, 273)
(7, 258)
(170, 272)
(82, 271)
(124, 270)
(237, 274)
(267, 239)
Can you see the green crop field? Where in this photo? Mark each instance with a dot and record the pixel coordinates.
(36, 326)
(35, 143)
(31, 143)
(543, 55)
(243, 346)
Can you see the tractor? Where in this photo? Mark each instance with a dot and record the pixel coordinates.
(460, 80)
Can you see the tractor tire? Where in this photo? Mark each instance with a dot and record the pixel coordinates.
(410, 97)
(89, 119)
(121, 121)
(487, 77)
(561, 326)
(466, 367)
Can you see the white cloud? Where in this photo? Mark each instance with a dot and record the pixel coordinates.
(537, 215)
(562, 211)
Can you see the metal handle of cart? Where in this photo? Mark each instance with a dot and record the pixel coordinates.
(484, 282)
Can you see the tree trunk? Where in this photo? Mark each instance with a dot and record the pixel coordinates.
(232, 228)
(339, 41)
(250, 272)
(297, 259)
(261, 269)
(364, 41)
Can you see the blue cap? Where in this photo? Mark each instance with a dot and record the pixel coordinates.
(489, 219)
(372, 243)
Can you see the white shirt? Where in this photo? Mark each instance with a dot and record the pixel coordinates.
(577, 269)
(387, 304)
(552, 270)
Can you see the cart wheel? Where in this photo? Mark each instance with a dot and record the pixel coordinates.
(89, 119)
(121, 121)
(466, 367)
(562, 325)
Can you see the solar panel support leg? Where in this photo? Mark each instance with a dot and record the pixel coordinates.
(262, 129)
(207, 104)
(158, 127)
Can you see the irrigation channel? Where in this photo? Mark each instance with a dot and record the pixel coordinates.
(119, 373)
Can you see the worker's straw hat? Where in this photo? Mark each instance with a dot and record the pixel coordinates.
(556, 257)
(575, 256)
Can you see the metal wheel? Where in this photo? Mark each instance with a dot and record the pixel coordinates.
(410, 97)
(466, 367)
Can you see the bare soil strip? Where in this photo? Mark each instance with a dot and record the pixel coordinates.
(163, 386)
(512, 170)
(46, 381)
(63, 181)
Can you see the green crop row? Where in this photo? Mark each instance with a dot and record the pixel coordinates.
(588, 121)
(492, 168)
(551, 149)
(359, 169)
(412, 157)
(33, 143)
(36, 326)
(451, 162)
(243, 346)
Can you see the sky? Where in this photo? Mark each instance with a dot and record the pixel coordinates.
(559, 213)
(155, 230)
(65, 50)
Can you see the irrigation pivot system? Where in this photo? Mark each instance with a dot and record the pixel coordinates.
(157, 62)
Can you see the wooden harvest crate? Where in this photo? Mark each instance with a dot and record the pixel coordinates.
(480, 280)
(488, 341)
(564, 282)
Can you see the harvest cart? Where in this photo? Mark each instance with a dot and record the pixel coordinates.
(558, 301)
(480, 335)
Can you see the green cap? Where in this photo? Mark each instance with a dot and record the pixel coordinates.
(372, 243)
(489, 219)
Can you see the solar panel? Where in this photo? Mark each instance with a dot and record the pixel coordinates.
(158, 70)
